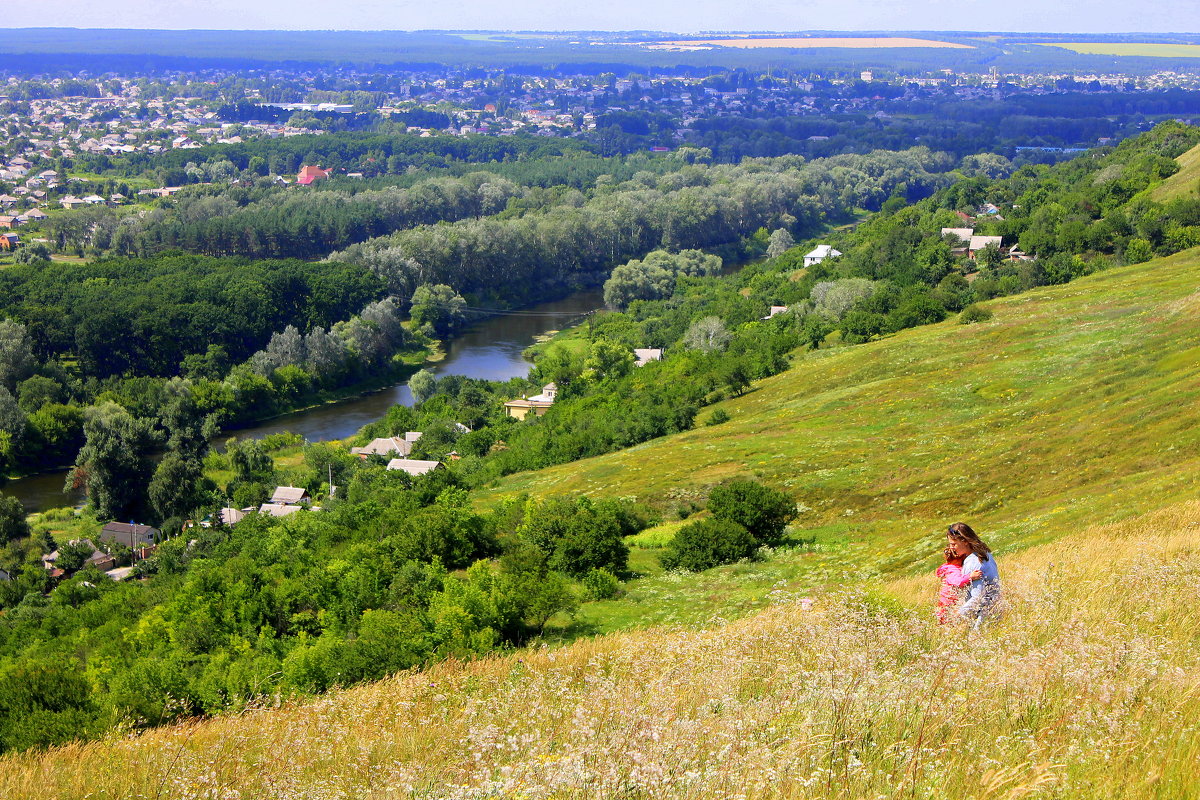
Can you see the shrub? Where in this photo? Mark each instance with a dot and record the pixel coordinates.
(708, 543)
(972, 314)
(763, 511)
(600, 584)
(718, 416)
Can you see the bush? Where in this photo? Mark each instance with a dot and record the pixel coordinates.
(708, 543)
(718, 416)
(972, 314)
(763, 511)
(600, 584)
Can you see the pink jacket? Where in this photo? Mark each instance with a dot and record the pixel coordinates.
(953, 579)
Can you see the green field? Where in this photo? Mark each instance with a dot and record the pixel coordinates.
(1129, 49)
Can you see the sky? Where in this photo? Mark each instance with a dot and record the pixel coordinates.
(1065, 16)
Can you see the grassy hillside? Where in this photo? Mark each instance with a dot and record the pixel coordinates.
(1185, 183)
(1086, 689)
(1064, 428)
(1074, 404)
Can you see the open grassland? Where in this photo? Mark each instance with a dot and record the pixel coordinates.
(1089, 687)
(1183, 184)
(1129, 49)
(804, 42)
(1074, 404)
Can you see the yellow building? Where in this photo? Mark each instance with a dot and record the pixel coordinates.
(520, 409)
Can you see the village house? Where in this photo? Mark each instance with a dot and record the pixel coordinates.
(309, 174)
(412, 466)
(819, 254)
(774, 311)
(538, 404)
(9, 223)
(278, 509)
(141, 539)
(978, 243)
(401, 446)
(644, 355)
(9, 241)
(290, 496)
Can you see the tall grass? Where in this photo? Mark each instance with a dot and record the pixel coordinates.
(1089, 687)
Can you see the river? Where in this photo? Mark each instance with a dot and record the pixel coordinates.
(490, 349)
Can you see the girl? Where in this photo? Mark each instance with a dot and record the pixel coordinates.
(953, 579)
(980, 566)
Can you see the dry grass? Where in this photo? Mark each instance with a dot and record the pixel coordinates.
(804, 42)
(1088, 688)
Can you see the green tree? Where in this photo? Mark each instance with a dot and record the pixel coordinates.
(422, 384)
(16, 353)
(178, 487)
(1138, 251)
(13, 524)
(607, 359)
(114, 464)
(708, 543)
(781, 242)
(763, 511)
(437, 309)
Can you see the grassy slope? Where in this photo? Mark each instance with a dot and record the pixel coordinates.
(1075, 404)
(1185, 183)
(1074, 407)
(1086, 689)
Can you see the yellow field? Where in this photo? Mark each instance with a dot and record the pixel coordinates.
(806, 42)
(1129, 49)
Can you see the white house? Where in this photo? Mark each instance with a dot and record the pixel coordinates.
(645, 355)
(819, 254)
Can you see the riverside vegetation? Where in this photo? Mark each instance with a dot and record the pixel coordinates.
(999, 385)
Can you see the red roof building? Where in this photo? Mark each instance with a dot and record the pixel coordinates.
(308, 174)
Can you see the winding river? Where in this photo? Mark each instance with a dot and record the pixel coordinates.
(490, 349)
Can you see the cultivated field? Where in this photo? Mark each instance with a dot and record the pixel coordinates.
(806, 42)
(1129, 49)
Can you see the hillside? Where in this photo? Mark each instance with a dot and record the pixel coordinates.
(1084, 690)
(1183, 184)
(1074, 404)
(1064, 428)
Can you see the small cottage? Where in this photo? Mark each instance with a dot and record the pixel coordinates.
(537, 405)
(819, 254)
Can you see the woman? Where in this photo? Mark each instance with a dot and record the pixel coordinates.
(983, 595)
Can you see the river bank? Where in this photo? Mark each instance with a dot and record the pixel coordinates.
(491, 349)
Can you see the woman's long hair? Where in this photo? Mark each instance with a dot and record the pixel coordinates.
(961, 532)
